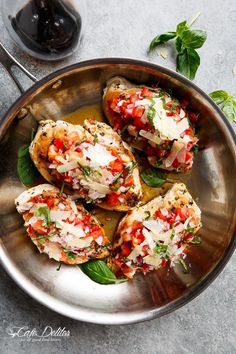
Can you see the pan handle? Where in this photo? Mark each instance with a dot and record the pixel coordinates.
(8, 61)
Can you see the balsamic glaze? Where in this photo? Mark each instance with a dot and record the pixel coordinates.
(48, 27)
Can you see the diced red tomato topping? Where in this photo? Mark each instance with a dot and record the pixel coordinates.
(182, 212)
(146, 92)
(188, 156)
(159, 215)
(129, 181)
(175, 163)
(38, 227)
(116, 165)
(138, 112)
(50, 203)
(113, 199)
(58, 143)
(125, 249)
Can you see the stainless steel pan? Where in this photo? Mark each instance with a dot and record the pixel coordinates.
(212, 183)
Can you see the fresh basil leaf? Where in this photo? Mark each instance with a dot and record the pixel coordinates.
(161, 38)
(182, 26)
(179, 45)
(45, 211)
(99, 272)
(219, 96)
(147, 212)
(229, 109)
(188, 62)
(26, 170)
(151, 115)
(193, 38)
(226, 102)
(153, 177)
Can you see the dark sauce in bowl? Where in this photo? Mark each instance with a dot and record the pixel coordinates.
(48, 27)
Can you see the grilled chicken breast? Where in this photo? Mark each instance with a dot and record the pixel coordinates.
(152, 121)
(156, 233)
(92, 163)
(58, 227)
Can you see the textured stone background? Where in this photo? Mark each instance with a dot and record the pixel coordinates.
(207, 324)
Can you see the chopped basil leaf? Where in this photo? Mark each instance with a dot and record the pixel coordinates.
(116, 186)
(172, 233)
(161, 249)
(195, 149)
(195, 241)
(99, 272)
(45, 211)
(148, 215)
(95, 140)
(153, 177)
(71, 255)
(26, 169)
(184, 265)
(62, 188)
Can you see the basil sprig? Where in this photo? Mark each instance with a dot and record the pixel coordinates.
(186, 43)
(153, 178)
(226, 102)
(26, 170)
(99, 272)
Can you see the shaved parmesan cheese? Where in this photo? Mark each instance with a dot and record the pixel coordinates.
(73, 206)
(99, 240)
(59, 215)
(144, 102)
(156, 226)
(135, 253)
(98, 156)
(182, 126)
(149, 238)
(73, 242)
(176, 147)
(67, 166)
(153, 260)
(53, 250)
(150, 136)
(71, 229)
(100, 188)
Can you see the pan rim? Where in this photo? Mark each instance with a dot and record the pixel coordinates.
(116, 318)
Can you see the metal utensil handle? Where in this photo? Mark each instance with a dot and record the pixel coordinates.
(8, 61)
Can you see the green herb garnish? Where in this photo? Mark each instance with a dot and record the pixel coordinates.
(226, 102)
(161, 248)
(26, 169)
(99, 272)
(95, 139)
(116, 186)
(184, 265)
(151, 114)
(153, 178)
(148, 215)
(71, 255)
(172, 235)
(45, 211)
(186, 42)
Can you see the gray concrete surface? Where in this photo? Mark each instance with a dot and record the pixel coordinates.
(207, 324)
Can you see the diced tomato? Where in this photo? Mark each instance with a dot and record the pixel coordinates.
(160, 152)
(189, 132)
(182, 212)
(86, 219)
(136, 225)
(40, 228)
(58, 143)
(126, 270)
(125, 249)
(193, 117)
(188, 156)
(118, 124)
(150, 151)
(113, 199)
(175, 163)
(96, 233)
(116, 165)
(129, 181)
(146, 92)
(163, 263)
(138, 238)
(30, 230)
(169, 114)
(138, 112)
(159, 215)
(187, 237)
(50, 203)
(145, 249)
(133, 98)
(145, 268)
(114, 103)
(171, 218)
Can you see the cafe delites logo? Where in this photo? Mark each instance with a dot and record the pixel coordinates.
(48, 333)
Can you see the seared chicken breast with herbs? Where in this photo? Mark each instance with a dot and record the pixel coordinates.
(91, 162)
(160, 232)
(152, 121)
(58, 227)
